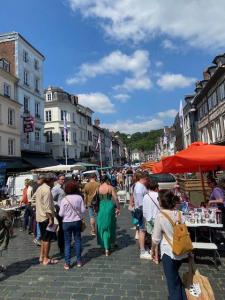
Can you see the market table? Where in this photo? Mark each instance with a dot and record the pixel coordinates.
(202, 245)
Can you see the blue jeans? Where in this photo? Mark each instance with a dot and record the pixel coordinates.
(72, 228)
(174, 283)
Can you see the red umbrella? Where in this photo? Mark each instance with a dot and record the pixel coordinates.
(198, 157)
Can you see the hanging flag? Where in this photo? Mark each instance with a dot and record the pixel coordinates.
(181, 115)
(65, 129)
(98, 142)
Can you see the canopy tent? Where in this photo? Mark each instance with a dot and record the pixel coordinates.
(198, 157)
(148, 165)
(59, 168)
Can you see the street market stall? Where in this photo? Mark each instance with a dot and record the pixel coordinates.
(59, 168)
(198, 157)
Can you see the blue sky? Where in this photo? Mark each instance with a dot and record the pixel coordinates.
(131, 61)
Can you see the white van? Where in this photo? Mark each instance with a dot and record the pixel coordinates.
(16, 183)
(87, 174)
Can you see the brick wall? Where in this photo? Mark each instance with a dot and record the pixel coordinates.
(7, 51)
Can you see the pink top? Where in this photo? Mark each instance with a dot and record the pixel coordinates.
(71, 208)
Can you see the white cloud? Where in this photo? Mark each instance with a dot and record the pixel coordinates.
(136, 64)
(199, 22)
(98, 102)
(129, 126)
(170, 81)
(146, 124)
(168, 44)
(171, 113)
(158, 63)
(122, 97)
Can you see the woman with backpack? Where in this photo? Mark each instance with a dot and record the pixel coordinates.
(167, 223)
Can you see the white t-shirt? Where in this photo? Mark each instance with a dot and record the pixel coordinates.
(162, 225)
(150, 205)
(139, 192)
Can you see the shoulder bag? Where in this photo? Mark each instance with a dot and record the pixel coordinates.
(83, 224)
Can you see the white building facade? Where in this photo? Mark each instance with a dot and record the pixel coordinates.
(9, 113)
(27, 66)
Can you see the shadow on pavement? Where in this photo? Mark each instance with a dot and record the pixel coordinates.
(18, 267)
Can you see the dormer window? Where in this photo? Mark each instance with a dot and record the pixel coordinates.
(49, 97)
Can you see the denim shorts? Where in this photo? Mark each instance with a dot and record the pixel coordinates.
(91, 212)
(141, 224)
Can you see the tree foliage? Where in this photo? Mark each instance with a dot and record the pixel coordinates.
(144, 141)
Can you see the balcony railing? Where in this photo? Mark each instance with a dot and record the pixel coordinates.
(34, 146)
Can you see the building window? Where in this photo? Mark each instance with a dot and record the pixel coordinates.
(63, 112)
(26, 104)
(37, 84)
(213, 131)
(214, 99)
(48, 115)
(7, 90)
(26, 78)
(37, 109)
(74, 137)
(4, 65)
(11, 117)
(221, 92)
(25, 56)
(36, 64)
(217, 125)
(37, 134)
(49, 97)
(90, 136)
(0, 113)
(62, 135)
(74, 118)
(64, 153)
(89, 121)
(11, 147)
(27, 139)
(49, 136)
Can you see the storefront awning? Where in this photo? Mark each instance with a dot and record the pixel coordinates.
(40, 162)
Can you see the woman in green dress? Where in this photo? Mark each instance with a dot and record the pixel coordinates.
(109, 209)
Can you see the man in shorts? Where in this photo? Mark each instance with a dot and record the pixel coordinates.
(90, 190)
(45, 215)
(140, 191)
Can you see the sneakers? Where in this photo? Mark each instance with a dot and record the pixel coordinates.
(37, 242)
(145, 255)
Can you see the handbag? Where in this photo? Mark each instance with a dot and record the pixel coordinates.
(196, 285)
(95, 202)
(83, 223)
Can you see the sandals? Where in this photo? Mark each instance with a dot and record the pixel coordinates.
(51, 261)
(106, 253)
(66, 267)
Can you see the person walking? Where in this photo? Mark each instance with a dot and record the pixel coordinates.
(151, 206)
(58, 194)
(106, 219)
(139, 192)
(71, 210)
(90, 190)
(26, 200)
(163, 231)
(45, 216)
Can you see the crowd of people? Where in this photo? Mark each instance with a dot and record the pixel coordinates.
(58, 207)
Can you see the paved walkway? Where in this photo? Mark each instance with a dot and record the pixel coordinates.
(117, 277)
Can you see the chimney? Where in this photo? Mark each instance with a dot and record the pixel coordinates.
(97, 122)
(206, 75)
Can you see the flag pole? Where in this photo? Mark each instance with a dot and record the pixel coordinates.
(100, 155)
(111, 152)
(65, 150)
(65, 131)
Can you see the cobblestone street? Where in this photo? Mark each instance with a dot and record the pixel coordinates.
(119, 276)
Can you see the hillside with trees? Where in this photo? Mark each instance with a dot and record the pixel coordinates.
(144, 141)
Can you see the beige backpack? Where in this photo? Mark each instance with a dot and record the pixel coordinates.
(181, 242)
